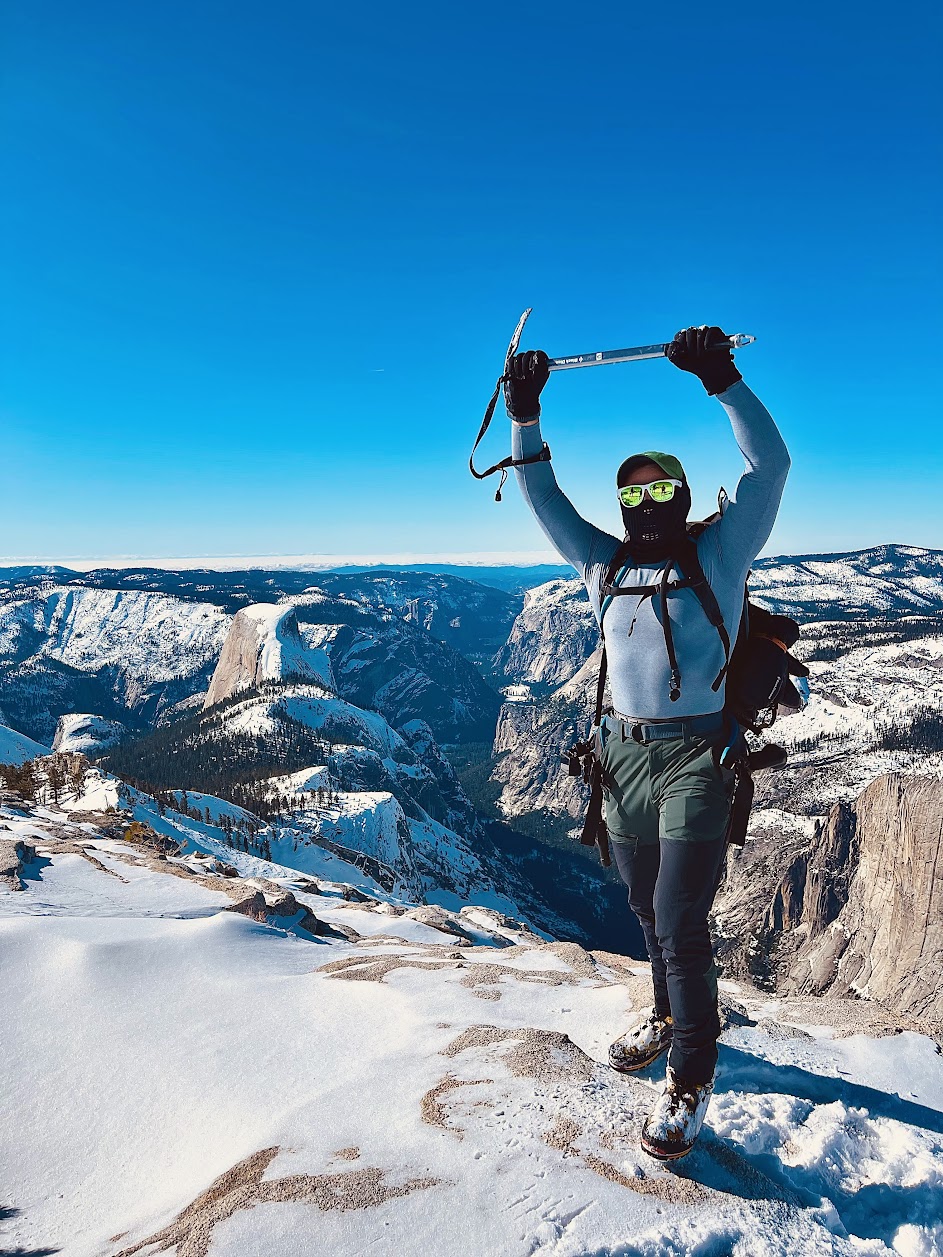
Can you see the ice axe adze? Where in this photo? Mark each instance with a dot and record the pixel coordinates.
(598, 359)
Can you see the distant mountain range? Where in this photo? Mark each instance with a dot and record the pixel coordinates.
(137, 646)
(886, 580)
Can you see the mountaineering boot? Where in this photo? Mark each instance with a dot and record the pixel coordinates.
(676, 1118)
(642, 1044)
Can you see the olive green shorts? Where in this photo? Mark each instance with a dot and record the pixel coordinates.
(671, 789)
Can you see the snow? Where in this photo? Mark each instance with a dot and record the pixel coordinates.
(217, 808)
(102, 793)
(149, 637)
(301, 782)
(333, 716)
(16, 748)
(368, 821)
(853, 699)
(179, 1040)
(881, 579)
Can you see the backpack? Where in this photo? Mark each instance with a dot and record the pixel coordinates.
(757, 666)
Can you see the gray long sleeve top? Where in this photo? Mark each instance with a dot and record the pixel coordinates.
(635, 641)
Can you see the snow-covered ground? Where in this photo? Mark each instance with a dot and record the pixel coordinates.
(182, 1078)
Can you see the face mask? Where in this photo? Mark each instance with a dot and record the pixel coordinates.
(654, 527)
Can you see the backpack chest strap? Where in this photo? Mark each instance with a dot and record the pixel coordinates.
(615, 591)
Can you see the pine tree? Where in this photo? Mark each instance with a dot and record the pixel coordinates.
(55, 777)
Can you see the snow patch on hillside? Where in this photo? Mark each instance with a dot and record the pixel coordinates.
(87, 734)
(16, 748)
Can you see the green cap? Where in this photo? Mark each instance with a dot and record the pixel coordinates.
(670, 465)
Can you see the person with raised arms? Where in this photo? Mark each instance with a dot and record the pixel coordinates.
(667, 793)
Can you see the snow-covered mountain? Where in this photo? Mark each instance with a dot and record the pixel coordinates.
(401, 670)
(142, 656)
(15, 748)
(886, 580)
(376, 669)
(471, 617)
(114, 652)
(271, 1062)
(326, 774)
(264, 644)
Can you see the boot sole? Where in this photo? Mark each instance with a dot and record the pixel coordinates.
(665, 1156)
(633, 1069)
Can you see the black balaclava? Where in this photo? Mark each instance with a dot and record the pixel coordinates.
(653, 528)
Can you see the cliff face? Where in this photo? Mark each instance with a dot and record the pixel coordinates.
(858, 910)
(527, 746)
(552, 636)
(263, 644)
(886, 939)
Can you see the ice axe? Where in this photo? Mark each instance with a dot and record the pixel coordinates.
(599, 358)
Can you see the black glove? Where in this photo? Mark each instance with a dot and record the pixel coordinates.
(527, 374)
(691, 351)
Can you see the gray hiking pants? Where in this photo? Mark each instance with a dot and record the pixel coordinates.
(667, 808)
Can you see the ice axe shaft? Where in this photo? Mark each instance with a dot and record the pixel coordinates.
(640, 352)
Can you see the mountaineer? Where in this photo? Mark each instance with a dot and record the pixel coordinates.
(667, 794)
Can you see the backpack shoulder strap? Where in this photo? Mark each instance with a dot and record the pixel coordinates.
(690, 563)
(606, 591)
(600, 686)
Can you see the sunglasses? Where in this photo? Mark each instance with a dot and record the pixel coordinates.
(658, 491)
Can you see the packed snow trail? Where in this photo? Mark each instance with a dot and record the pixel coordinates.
(345, 1072)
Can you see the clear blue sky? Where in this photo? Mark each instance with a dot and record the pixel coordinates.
(261, 261)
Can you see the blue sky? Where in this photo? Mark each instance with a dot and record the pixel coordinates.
(261, 263)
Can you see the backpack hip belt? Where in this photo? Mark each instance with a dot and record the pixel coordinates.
(660, 730)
